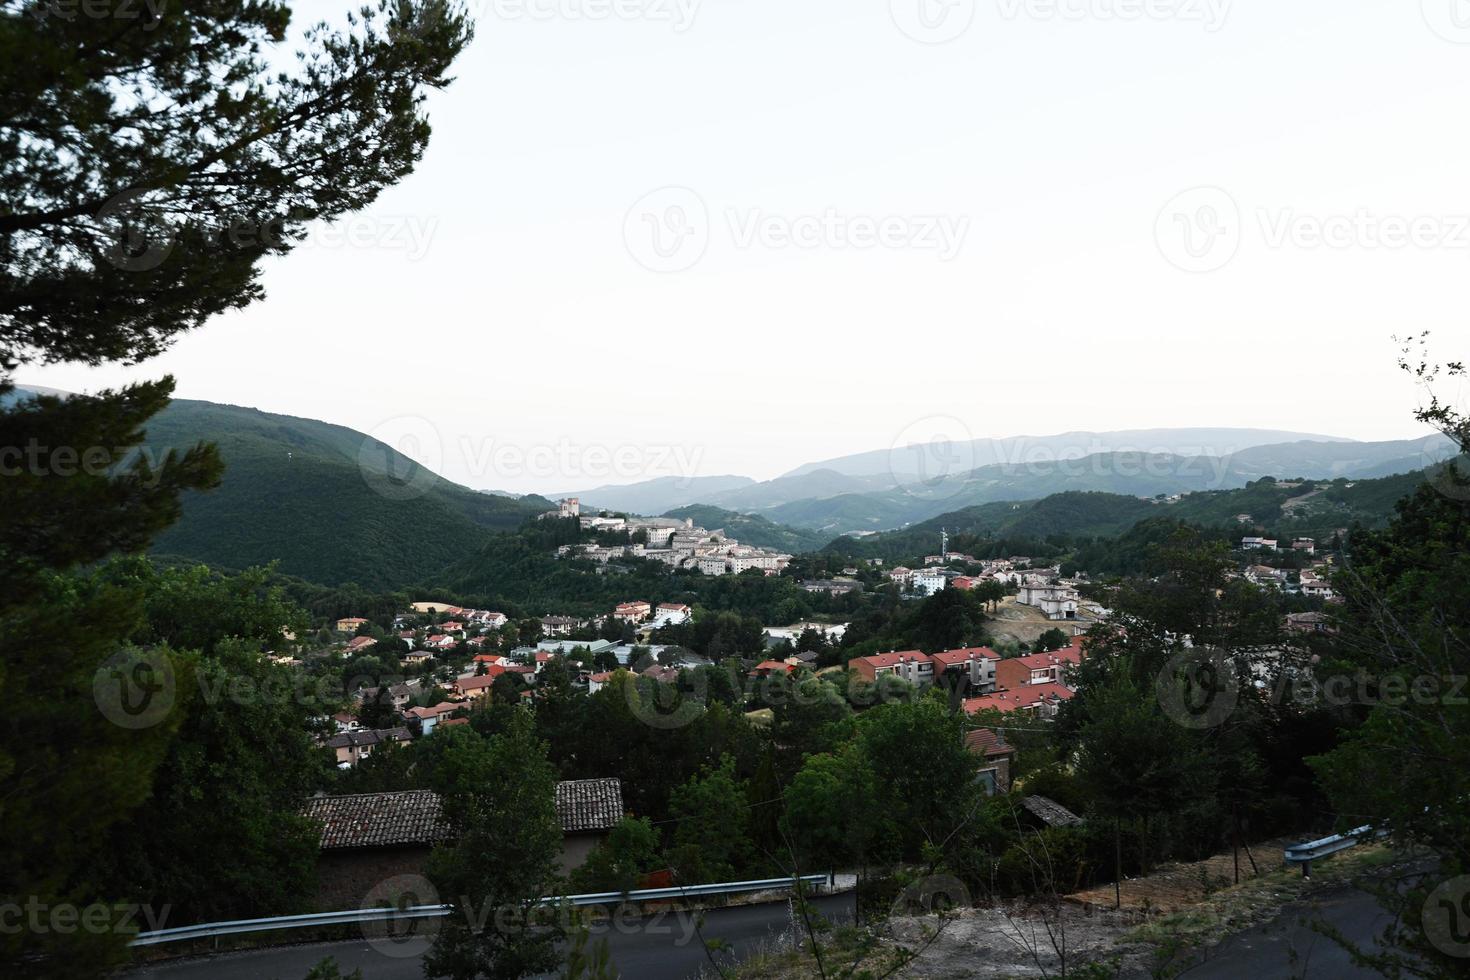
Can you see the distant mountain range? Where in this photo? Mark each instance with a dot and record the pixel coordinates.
(909, 462)
(834, 502)
(335, 506)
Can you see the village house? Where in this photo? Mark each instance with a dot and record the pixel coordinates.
(369, 837)
(632, 612)
(558, 625)
(976, 665)
(1038, 668)
(1257, 544)
(671, 614)
(427, 719)
(350, 625)
(352, 747)
(912, 666)
(1039, 700)
(993, 759)
(360, 643)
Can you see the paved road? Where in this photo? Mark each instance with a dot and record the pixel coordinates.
(1288, 947)
(653, 947)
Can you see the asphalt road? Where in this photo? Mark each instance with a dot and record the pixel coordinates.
(660, 947)
(1287, 947)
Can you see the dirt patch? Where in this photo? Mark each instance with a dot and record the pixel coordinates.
(1178, 885)
(1014, 623)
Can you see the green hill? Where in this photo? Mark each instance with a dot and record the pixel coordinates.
(1310, 509)
(331, 504)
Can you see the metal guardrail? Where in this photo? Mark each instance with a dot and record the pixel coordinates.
(207, 930)
(1305, 854)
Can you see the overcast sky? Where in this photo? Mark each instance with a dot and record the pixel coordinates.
(733, 236)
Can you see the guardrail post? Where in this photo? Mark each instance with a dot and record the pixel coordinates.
(1307, 870)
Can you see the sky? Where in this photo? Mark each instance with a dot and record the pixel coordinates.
(702, 237)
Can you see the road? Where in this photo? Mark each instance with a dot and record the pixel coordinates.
(1288, 947)
(660, 947)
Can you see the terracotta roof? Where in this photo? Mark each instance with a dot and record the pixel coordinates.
(984, 741)
(894, 659)
(414, 817)
(589, 804)
(949, 658)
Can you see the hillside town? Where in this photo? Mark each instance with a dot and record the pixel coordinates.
(679, 544)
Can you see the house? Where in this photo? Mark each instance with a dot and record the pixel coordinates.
(452, 626)
(1038, 668)
(1308, 545)
(766, 668)
(558, 625)
(351, 748)
(417, 657)
(1257, 544)
(912, 666)
(671, 614)
(350, 624)
(929, 581)
(440, 642)
(399, 695)
(975, 664)
(632, 612)
(369, 837)
(478, 686)
(833, 586)
(596, 682)
(360, 643)
(1039, 700)
(428, 719)
(993, 758)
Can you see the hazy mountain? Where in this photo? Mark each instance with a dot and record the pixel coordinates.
(1128, 474)
(330, 503)
(658, 495)
(906, 462)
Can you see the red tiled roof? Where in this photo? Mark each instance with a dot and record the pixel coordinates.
(1027, 696)
(894, 659)
(948, 658)
(984, 741)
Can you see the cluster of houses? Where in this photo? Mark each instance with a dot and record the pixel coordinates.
(1043, 589)
(1310, 581)
(676, 543)
(1035, 685)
